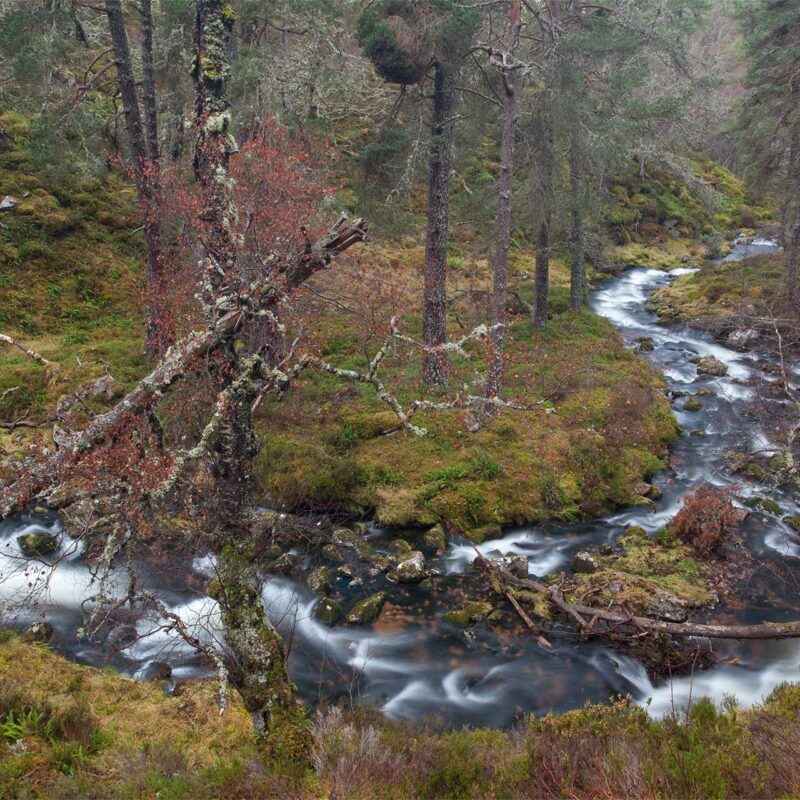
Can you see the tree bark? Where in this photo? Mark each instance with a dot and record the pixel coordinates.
(544, 189)
(159, 329)
(504, 211)
(149, 85)
(791, 234)
(577, 242)
(434, 313)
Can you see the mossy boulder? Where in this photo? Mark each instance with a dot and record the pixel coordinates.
(318, 580)
(328, 611)
(793, 522)
(765, 504)
(345, 538)
(366, 610)
(411, 569)
(38, 543)
(436, 539)
(692, 404)
(711, 366)
(470, 612)
(585, 563)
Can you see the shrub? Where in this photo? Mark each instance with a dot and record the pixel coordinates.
(705, 519)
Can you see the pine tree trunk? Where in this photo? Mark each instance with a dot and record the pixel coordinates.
(504, 217)
(434, 313)
(159, 330)
(577, 242)
(149, 83)
(544, 189)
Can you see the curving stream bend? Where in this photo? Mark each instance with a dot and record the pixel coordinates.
(414, 664)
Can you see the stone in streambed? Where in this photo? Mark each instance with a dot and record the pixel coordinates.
(644, 344)
(765, 504)
(328, 611)
(473, 611)
(345, 538)
(513, 565)
(411, 569)
(39, 632)
(333, 553)
(436, 539)
(156, 672)
(318, 580)
(38, 543)
(692, 404)
(793, 523)
(366, 610)
(667, 607)
(585, 563)
(711, 366)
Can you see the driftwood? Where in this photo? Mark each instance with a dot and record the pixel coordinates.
(32, 354)
(587, 617)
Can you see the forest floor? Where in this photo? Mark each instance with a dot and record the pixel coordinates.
(71, 731)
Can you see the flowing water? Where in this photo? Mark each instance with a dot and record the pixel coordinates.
(412, 662)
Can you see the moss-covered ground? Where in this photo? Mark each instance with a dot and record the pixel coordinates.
(69, 731)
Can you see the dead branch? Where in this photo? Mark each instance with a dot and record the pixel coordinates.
(32, 354)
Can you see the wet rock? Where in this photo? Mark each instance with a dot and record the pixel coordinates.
(38, 543)
(273, 551)
(644, 344)
(345, 538)
(474, 611)
(344, 571)
(668, 607)
(697, 432)
(381, 563)
(692, 404)
(328, 611)
(412, 569)
(436, 539)
(366, 610)
(606, 549)
(318, 580)
(656, 492)
(711, 366)
(285, 563)
(333, 553)
(157, 671)
(513, 565)
(793, 522)
(39, 632)
(706, 392)
(585, 563)
(743, 339)
(765, 504)
(400, 547)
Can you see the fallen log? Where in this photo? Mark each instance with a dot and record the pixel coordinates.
(586, 617)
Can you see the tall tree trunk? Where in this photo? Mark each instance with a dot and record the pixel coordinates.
(159, 329)
(504, 211)
(544, 189)
(577, 242)
(791, 223)
(434, 312)
(258, 664)
(149, 84)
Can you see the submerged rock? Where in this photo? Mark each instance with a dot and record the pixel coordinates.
(692, 404)
(473, 611)
(644, 344)
(711, 366)
(412, 569)
(585, 563)
(328, 611)
(366, 610)
(38, 543)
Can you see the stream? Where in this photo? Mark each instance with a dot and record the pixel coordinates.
(414, 664)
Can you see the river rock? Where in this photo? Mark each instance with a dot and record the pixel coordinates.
(585, 563)
(473, 611)
(366, 610)
(412, 569)
(38, 543)
(644, 344)
(333, 553)
(328, 611)
(765, 504)
(436, 539)
(401, 548)
(668, 607)
(711, 366)
(793, 523)
(344, 537)
(157, 671)
(285, 563)
(40, 631)
(743, 339)
(692, 404)
(318, 580)
(513, 565)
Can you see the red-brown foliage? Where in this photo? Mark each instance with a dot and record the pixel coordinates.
(705, 519)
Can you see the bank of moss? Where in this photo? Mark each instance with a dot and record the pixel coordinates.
(75, 732)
